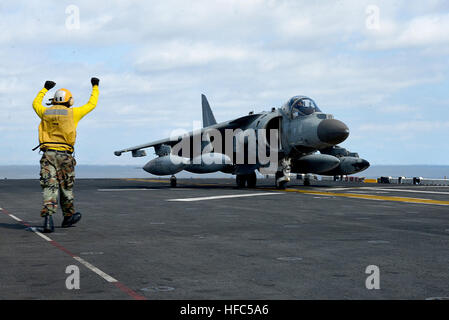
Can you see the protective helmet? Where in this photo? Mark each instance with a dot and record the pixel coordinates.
(64, 97)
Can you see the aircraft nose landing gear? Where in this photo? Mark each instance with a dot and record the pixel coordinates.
(283, 177)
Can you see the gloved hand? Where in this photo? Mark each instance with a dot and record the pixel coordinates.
(49, 84)
(94, 81)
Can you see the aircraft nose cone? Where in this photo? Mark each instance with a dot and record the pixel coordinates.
(332, 131)
(363, 164)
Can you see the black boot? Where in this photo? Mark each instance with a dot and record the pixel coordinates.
(71, 220)
(48, 225)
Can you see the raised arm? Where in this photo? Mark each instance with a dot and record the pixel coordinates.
(80, 112)
(37, 102)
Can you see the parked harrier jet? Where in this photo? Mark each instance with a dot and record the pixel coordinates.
(305, 141)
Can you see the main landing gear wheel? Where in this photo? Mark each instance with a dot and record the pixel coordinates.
(173, 181)
(241, 180)
(251, 180)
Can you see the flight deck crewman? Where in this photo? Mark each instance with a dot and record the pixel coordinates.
(57, 135)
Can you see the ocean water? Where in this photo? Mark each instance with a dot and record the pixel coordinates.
(114, 171)
(425, 171)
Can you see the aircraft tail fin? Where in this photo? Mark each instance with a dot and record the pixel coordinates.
(208, 116)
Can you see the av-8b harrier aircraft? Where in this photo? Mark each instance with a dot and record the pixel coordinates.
(301, 139)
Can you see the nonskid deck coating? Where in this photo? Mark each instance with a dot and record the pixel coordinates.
(303, 243)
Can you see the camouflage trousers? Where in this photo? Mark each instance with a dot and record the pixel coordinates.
(57, 174)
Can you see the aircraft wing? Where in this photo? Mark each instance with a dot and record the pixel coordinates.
(241, 123)
(166, 141)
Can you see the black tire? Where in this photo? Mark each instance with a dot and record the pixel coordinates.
(278, 175)
(251, 180)
(173, 182)
(281, 185)
(240, 180)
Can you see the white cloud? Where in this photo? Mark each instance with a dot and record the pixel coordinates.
(410, 128)
(154, 59)
(418, 32)
(179, 54)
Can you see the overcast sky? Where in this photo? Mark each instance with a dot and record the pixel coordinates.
(379, 66)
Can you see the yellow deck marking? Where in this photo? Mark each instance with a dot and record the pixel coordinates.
(347, 195)
(372, 197)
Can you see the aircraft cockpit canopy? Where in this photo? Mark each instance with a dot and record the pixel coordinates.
(300, 105)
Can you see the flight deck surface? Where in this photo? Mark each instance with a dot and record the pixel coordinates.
(206, 239)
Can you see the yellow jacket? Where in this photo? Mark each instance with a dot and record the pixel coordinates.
(58, 123)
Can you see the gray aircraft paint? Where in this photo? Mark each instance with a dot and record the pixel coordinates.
(307, 143)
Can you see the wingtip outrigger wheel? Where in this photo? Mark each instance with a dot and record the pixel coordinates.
(307, 180)
(173, 181)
